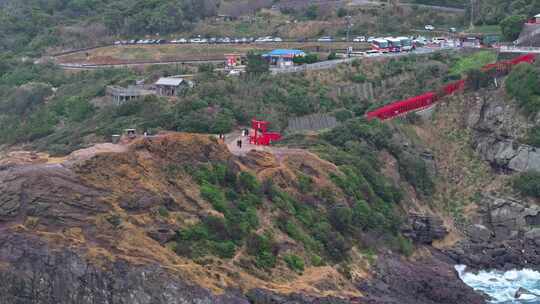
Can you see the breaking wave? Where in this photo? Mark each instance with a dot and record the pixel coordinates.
(501, 286)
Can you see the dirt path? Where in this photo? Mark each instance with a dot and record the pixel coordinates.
(279, 152)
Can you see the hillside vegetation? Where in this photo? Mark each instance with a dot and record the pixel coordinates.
(61, 112)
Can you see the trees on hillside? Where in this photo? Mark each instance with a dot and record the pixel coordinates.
(511, 26)
(524, 84)
(256, 64)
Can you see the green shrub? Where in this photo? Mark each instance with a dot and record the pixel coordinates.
(115, 220)
(312, 12)
(528, 183)
(341, 218)
(264, 249)
(256, 64)
(215, 196)
(163, 212)
(533, 136)
(225, 249)
(405, 246)
(523, 83)
(248, 182)
(343, 115)
(416, 172)
(359, 78)
(294, 262)
(477, 79)
(332, 56)
(305, 183)
(511, 26)
(316, 260)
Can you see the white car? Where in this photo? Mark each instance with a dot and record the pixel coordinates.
(265, 39)
(325, 39)
(196, 40)
(372, 53)
(234, 73)
(277, 39)
(370, 39)
(359, 39)
(358, 54)
(176, 41)
(429, 27)
(438, 40)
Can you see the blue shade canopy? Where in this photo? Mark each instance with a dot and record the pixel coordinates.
(284, 52)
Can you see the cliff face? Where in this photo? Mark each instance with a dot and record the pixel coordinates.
(497, 228)
(497, 126)
(97, 226)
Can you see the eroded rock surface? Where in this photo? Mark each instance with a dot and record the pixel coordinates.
(497, 128)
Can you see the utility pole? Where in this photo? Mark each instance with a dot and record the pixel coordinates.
(472, 14)
(349, 25)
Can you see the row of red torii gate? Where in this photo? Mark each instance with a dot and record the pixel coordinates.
(260, 136)
(421, 102)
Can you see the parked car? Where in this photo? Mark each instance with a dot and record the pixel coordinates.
(225, 40)
(429, 27)
(372, 53)
(277, 39)
(325, 39)
(265, 39)
(359, 39)
(234, 73)
(452, 30)
(357, 54)
(196, 40)
(370, 39)
(438, 40)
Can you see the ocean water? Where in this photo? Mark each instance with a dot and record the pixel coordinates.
(501, 286)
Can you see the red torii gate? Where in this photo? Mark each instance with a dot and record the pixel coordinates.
(260, 135)
(425, 100)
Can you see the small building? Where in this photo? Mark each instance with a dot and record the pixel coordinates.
(283, 57)
(234, 60)
(171, 86)
(225, 18)
(471, 41)
(121, 95)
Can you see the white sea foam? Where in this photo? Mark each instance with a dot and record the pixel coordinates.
(502, 286)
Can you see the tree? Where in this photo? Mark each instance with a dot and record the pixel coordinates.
(256, 64)
(511, 26)
(342, 12)
(477, 79)
(528, 183)
(523, 83)
(312, 12)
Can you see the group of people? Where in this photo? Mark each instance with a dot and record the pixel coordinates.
(239, 142)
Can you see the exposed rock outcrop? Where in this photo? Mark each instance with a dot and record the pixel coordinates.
(497, 127)
(424, 229)
(504, 237)
(37, 274)
(430, 279)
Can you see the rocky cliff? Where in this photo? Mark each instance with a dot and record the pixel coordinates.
(96, 227)
(497, 126)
